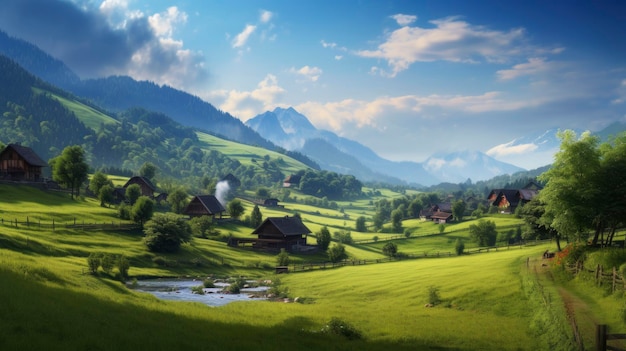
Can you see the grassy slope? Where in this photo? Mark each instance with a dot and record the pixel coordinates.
(91, 117)
(246, 153)
(52, 301)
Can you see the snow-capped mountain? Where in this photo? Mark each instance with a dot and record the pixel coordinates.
(293, 131)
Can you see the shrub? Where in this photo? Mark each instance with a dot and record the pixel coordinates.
(93, 262)
(459, 247)
(107, 263)
(123, 266)
(407, 233)
(208, 283)
(235, 286)
(339, 327)
(197, 290)
(282, 259)
(124, 211)
(166, 232)
(442, 228)
(433, 295)
(390, 249)
(336, 253)
(375, 238)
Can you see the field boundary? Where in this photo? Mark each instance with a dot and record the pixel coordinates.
(75, 224)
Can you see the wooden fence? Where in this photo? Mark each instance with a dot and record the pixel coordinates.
(307, 266)
(602, 337)
(74, 224)
(611, 278)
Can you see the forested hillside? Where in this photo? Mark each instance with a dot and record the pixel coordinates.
(31, 114)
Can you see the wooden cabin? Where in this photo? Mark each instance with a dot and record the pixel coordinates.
(204, 205)
(277, 233)
(147, 187)
(21, 163)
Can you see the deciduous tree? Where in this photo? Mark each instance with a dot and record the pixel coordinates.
(166, 232)
(70, 168)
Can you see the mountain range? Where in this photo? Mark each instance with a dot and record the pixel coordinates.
(293, 131)
(281, 128)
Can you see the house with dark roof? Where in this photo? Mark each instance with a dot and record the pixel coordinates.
(21, 163)
(147, 187)
(507, 200)
(204, 205)
(441, 217)
(442, 207)
(277, 233)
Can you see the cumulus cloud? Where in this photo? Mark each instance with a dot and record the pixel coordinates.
(451, 39)
(247, 104)
(309, 73)
(404, 20)
(108, 39)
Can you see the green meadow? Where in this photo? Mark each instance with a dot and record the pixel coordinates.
(489, 301)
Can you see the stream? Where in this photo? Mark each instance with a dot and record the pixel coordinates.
(180, 290)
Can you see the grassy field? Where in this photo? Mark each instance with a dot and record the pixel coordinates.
(489, 301)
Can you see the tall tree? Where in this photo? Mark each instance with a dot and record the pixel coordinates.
(133, 192)
(235, 208)
(323, 238)
(70, 168)
(178, 200)
(458, 209)
(148, 170)
(571, 195)
(256, 218)
(361, 225)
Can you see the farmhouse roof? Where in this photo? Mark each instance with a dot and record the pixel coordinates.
(140, 179)
(211, 203)
(27, 154)
(527, 194)
(285, 225)
(441, 215)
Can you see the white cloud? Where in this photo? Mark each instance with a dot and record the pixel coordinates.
(450, 40)
(265, 16)
(335, 115)
(241, 38)
(163, 23)
(534, 66)
(404, 20)
(508, 149)
(308, 72)
(328, 45)
(434, 164)
(621, 93)
(247, 104)
(338, 57)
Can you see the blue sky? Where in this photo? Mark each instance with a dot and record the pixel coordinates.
(406, 78)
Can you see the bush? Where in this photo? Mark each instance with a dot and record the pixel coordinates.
(459, 247)
(343, 236)
(433, 296)
(124, 211)
(107, 262)
(123, 266)
(208, 283)
(93, 262)
(197, 290)
(166, 232)
(390, 249)
(339, 327)
(282, 259)
(407, 233)
(336, 253)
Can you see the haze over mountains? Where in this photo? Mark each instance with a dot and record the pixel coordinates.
(283, 127)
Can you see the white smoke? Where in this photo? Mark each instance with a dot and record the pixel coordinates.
(221, 191)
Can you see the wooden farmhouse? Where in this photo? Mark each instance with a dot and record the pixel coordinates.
(204, 205)
(507, 200)
(287, 233)
(277, 233)
(20, 163)
(441, 210)
(147, 188)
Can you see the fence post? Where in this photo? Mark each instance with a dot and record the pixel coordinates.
(601, 337)
(614, 279)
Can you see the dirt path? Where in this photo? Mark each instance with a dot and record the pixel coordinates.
(579, 313)
(581, 318)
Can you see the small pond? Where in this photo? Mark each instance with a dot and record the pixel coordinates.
(180, 290)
